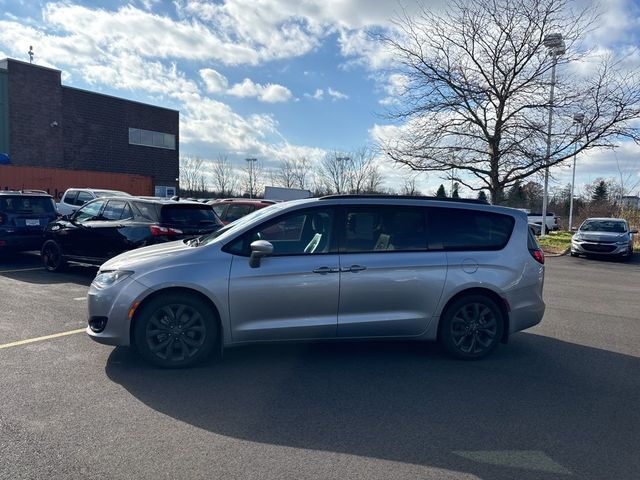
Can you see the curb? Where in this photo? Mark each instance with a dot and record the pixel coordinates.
(567, 250)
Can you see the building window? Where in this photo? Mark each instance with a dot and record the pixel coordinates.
(148, 138)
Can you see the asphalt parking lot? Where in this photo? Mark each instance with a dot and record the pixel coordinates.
(560, 401)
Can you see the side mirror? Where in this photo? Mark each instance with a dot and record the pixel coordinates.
(574, 229)
(633, 231)
(259, 249)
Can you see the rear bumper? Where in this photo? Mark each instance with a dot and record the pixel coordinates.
(20, 241)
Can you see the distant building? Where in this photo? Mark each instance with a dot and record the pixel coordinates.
(630, 201)
(46, 124)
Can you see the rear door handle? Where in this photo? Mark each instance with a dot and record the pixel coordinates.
(323, 270)
(354, 268)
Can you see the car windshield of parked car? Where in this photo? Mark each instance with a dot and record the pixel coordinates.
(27, 205)
(604, 226)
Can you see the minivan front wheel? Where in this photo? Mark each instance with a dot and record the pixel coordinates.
(471, 327)
(175, 330)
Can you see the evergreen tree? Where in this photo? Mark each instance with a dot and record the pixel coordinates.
(454, 190)
(441, 193)
(517, 196)
(482, 196)
(600, 192)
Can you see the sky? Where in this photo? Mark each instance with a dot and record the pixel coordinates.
(270, 79)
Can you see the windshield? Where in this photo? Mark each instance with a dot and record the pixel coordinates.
(240, 223)
(615, 226)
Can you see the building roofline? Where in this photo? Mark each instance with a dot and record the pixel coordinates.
(8, 59)
(119, 98)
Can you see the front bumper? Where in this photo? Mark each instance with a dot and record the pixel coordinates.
(583, 247)
(114, 303)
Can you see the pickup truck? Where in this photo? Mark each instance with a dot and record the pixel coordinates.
(552, 220)
(74, 198)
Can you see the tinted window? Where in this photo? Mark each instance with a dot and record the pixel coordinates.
(374, 229)
(219, 209)
(27, 205)
(70, 197)
(297, 233)
(189, 215)
(127, 213)
(471, 229)
(114, 209)
(83, 197)
(235, 212)
(89, 212)
(146, 212)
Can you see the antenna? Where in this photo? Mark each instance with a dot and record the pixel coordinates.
(30, 54)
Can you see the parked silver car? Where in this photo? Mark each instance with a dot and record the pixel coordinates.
(339, 267)
(603, 237)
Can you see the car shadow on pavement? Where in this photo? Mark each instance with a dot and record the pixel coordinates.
(74, 274)
(538, 408)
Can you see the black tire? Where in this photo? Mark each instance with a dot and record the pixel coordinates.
(52, 258)
(176, 330)
(471, 327)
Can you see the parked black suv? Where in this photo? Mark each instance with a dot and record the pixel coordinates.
(106, 227)
(23, 217)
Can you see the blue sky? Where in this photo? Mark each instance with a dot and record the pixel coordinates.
(267, 79)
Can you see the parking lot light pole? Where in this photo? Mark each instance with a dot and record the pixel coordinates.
(578, 118)
(555, 45)
(251, 161)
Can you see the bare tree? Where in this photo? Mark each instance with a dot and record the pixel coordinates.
(253, 179)
(476, 98)
(284, 174)
(409, 187)
(225, 177)
(350, 172)
(192, 178)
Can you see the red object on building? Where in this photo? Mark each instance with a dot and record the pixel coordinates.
(56, 180)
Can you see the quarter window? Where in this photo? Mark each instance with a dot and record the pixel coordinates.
(461, 229)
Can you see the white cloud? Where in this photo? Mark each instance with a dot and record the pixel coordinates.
(317, 95)
(270, 93)
(214, 81)
(337, 95)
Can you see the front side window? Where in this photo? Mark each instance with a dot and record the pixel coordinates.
(308, 232)
(89, 212)
(461, 229)
(70, 197)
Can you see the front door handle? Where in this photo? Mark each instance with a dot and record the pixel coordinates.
(323, 270)
(355, 268)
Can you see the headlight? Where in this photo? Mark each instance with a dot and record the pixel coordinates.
(577, 237)
(109, 278)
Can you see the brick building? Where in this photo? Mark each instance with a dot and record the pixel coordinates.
(46, 124)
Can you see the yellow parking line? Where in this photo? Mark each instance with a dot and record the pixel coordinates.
(21, 270)
(40, 339)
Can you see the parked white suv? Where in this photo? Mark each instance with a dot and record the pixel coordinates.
(74, 198)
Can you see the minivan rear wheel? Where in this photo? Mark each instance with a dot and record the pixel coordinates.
(51, 255)
(471, 327)
(175, 330)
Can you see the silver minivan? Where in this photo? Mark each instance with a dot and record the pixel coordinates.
(339, 267)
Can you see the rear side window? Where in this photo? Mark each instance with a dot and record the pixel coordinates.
(189, 215)
(461, 229)
(114, 209)
(27, 205)
(145, 212)
(83, 197)
(376, 229)
(237, 211)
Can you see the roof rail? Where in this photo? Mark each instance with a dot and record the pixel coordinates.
(31, 190)
(405, 197)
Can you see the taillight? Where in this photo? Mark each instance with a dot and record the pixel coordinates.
(555, 220)
(157, 230)
(538, 255)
